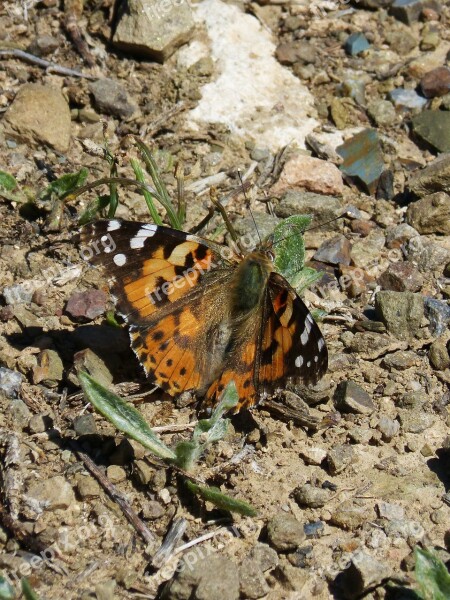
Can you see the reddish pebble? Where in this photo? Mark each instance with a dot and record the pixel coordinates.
(436, 82)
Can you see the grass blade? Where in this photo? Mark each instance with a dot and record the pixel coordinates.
(139, 174)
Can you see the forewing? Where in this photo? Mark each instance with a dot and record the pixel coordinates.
(171, 289)
(149, 267)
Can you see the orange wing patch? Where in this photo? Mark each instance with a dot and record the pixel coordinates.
(241, 372)
(164, 351)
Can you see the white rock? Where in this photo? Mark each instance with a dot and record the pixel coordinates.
(252, 94)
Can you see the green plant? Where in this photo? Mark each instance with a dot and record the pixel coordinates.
(433, 578)
(186, 454)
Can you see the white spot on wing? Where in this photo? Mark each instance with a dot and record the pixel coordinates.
(304, 337)
(320, 344)
(308, 364)
(299, 361)
(144, 232)
(120, 259)
(114, 224)
(316, 358)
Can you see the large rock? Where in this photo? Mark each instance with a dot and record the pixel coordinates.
(311, 174)
(432, 128)
(434, 178)
(152, 28)
(250, 84)
(40, 113)
(430, 214)
(401, 312)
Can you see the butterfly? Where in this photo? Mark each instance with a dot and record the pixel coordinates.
(201, 315)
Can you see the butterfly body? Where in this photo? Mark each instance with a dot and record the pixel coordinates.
(200, 316)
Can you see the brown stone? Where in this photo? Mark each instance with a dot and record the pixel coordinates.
(401, 277)
(436, 82)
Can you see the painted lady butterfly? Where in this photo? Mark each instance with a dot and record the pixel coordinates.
(200, 315)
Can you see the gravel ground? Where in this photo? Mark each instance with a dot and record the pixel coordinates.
(324, 106)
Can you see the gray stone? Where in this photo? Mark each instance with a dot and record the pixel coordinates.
(339, 458)
(397, 235)
(350, 397)
(388, 428)
(40, 113)
(86, 360)
(265, 556)
(356, 43)
(85, 425)
(438, 313)
(415, 421)
(363, 573)
(413, 400)
(18, 293)
(430, 214)
(351, 514)
(432, 127)
(439, 355)
(382, 112)
(390, 511)
(409, 11)
(401, 41)
(369, 345)
(40, 423)
(112, 98)
(428, 256)
(251, 580)
(363, 160)
(51, 494)
(153, 29)
(284, 532)
(10, 382)
(408, 100)
(435, 177)
(20, 413)
(400, 360)
(334, 251)
(153, 510)
(86, 305)
(49, 369)
(401, 312)
(311, 496)
(324, 208)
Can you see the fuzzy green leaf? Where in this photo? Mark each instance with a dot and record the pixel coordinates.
(7, 182)
(432, 575)
(289, 247)
(222, 501)
(123, 416)
(64, 185)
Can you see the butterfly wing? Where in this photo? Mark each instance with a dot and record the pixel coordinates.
(292, 344)
(280, 341)
(171, 289)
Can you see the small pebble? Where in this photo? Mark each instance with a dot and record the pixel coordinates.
(284, 532)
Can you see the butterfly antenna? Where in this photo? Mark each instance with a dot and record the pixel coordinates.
(247, 200)
(214, 199)
(348, 213)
